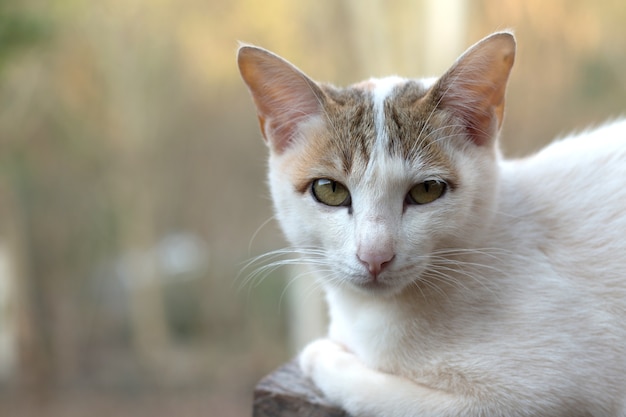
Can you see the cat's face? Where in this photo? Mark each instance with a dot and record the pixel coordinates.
(369, 182)
(374, 195)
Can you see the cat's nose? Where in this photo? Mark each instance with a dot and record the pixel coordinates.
(376, 260)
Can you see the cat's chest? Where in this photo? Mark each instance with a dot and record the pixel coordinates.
(383, 335)
(409, 337)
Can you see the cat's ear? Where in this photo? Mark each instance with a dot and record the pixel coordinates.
(285, 97)
(474, 88)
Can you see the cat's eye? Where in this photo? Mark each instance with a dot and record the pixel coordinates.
(331, 193)
(426, 192)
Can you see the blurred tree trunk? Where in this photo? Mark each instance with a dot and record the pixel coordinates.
(8, 282)
(424, 40)
(445, 30)
(135, 187)
(27, 314)
(8, 322)
(151, 336)
(136, 200)
(26, 351)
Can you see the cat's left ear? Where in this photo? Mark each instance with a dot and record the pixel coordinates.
(285, 98)
(474, 88)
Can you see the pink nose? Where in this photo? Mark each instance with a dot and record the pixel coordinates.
(375, 260)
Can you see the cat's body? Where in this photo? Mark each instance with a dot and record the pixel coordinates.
(542, 323)
(458, 283)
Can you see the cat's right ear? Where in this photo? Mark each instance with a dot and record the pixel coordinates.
(285, 97)
(474, 88)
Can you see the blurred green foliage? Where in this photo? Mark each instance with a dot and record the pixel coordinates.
(19, 29)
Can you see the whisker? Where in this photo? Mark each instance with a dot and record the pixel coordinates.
(432, 285)
(271, 261)
(312, 286)
(257, 231)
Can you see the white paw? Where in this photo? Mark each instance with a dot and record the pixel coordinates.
(339, 374)
(316, 352)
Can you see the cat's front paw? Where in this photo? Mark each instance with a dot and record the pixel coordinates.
(333, 369)
(316, 352)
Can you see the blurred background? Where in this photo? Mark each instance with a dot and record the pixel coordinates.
(132, 187)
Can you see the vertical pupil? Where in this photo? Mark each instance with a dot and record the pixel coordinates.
(334, 185)
(426, 185)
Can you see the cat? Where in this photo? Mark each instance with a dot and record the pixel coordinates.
(458, 283)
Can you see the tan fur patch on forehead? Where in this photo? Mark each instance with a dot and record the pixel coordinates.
(415, 127)
(343, 147)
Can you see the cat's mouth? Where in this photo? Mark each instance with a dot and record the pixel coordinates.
(373, 285)
(379, 285)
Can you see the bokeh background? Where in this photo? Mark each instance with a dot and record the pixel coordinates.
(132, 187)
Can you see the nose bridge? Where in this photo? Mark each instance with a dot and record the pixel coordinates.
(377, 207)
(375, 237)
(374, 229)
(375, 215)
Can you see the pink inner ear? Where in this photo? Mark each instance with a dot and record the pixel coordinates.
(474, 88)
(289, 107)
(285, 98)
(474, 106)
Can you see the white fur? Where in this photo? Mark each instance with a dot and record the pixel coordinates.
(382, 91)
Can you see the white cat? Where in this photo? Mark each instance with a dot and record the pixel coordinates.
(458, 283)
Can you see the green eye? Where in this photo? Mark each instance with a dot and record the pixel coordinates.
(330, 192)
(426, 192)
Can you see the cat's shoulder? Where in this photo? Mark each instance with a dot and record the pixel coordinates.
(593, 145)
(592, 153)
(607, 138)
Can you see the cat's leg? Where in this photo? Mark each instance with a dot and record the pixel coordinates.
(363, 391)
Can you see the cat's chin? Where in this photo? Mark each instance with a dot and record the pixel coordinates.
(378, 287)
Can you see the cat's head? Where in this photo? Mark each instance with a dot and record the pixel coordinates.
(370, 182)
